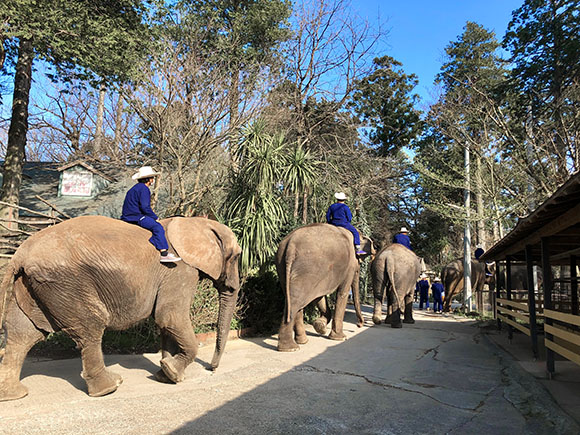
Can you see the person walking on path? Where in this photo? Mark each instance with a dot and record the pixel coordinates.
(137, 210)
(402, 238)
(438, 293)
(422, 287)
(339, 214)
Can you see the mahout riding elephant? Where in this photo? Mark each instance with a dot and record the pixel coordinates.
(394, 271)
(452, 278)
(312, 262)
(91, 273)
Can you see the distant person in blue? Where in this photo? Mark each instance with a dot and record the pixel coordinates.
(422, 287)
(402, 238)
(137, 210)
(339, 214)
(438, 293)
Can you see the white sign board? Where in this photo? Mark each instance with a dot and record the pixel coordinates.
(76, 183)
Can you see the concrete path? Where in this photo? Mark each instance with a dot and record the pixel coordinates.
(440, 375)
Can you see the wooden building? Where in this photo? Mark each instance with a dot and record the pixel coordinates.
(548, 238)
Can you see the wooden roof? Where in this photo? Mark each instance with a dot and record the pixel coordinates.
(557, 219)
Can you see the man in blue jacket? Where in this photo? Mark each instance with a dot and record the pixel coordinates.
(339, 214)
(402, 238)
(137, 210)
(423, 287)
(438, 293)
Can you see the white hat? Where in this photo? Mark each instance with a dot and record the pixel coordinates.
(403, 230)
(436, 279)
(340, 196)
(145, 172)
(422, 276)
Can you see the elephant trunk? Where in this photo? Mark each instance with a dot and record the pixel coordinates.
(227, 302)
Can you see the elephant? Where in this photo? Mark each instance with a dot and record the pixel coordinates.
(394, 271)
(312, 262)
(90, 273)
(452, 278)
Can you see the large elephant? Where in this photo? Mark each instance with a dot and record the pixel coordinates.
(452, 278)
(91, 273)
(312, 262)
(394, 271)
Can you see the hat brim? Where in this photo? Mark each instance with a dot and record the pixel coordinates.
(140, 177)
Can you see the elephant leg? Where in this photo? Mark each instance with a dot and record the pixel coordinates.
(299, 330)
(100, 381)
(21, 335)
(321, 323)
(286, 341)
(389, 314)
(168, 348)
(409, 309)
(336, 332)
(377, 311)
(395, 316)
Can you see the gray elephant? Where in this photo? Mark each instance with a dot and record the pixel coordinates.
(312, 262)
(91, 273)
(452, 278)
(394, 271)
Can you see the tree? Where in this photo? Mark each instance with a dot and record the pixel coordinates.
(544, 40)
(383, 100)
(98, 41)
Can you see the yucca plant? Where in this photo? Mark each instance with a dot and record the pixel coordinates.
(255, 210)
(300, 173)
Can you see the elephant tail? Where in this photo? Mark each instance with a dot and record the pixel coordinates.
(289, 259)
(391, 276)
(6, 289)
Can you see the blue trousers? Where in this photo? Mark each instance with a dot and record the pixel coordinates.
(423, 297)
(158, 238)
(352, 229)
(437, 303)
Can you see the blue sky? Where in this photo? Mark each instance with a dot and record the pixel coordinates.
(419, 30)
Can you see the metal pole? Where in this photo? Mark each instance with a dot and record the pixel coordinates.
(508, 289)
(547, 270)
(467, 237)
(574, 284)
(532, 300)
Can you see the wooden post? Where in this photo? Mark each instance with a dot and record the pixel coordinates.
(508, 288)
(497, 292)
(547, 270)
(574, 284)
(532, 301)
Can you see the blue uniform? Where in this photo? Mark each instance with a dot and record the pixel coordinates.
(339, 214)
(137, 210)
(438, 292)
(422, 287)
(402, 239)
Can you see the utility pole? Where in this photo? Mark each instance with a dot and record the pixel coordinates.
(467, 237)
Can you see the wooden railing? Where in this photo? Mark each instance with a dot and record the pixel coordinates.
(517, 310)
(564, 337)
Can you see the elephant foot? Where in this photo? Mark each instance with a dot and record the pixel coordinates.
(160, 376)
(320, 326)
(172, 370)
(104, 383)
(301, 339)
(396, 325)
(388, 319)
(338, 336)
(411, 321)
(12, 391)
(377, 320)
(287, 347)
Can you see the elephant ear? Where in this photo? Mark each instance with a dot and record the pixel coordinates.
(208, 246)
(197, 245)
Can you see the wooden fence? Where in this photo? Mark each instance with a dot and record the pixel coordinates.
(563, 336)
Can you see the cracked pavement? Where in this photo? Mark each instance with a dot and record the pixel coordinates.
(440, 375)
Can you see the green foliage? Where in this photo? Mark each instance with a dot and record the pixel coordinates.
(262, 301)
(96, 40)
(385, 101)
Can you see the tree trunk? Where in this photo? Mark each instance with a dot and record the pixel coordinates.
(16, 148)
(304, 207)
(115, 152)
(98, 141)
(481, 238)
(296, 204)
